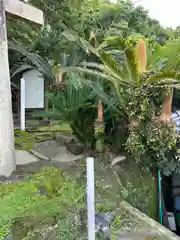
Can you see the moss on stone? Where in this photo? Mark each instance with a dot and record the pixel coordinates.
(25, 200)
(26, 140)
(63, 127)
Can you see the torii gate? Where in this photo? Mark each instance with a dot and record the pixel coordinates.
(23, 10)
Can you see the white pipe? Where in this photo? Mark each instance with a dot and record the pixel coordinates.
(22, 104)
(90, 198)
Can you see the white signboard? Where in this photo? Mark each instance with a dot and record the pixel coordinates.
(34, 89)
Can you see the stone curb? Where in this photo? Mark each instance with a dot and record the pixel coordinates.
(38, 155)
(117, 160)
(149, 222)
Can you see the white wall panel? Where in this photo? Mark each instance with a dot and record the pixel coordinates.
(34, 89)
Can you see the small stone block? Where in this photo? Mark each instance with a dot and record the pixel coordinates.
(136, 236)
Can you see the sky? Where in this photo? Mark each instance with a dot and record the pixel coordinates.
(166, 11)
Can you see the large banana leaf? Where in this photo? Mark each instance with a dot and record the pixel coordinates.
(20, 69)
(32, 60)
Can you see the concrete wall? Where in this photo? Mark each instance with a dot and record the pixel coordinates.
(142, 227)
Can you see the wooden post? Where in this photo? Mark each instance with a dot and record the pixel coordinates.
(18, 102)
(20, 9)
(22, 95)
(46, 99)
(90, 198)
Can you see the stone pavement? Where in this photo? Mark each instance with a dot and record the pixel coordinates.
(56, 152)
(24, 157)
(49, 150)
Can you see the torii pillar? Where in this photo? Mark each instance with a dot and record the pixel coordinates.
(22, 10)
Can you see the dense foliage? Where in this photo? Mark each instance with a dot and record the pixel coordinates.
(103, 17)
(133, 93)
(110, 72)
(74, 105)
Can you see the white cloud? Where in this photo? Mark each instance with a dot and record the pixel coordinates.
(166, 11)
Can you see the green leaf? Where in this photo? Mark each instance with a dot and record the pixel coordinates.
(166, 76)
(32, 59)
(21, 69)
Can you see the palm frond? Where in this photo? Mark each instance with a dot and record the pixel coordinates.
(89, 72)
(107, 99)
(112, 65)
(167, 77)
(55, 115)
(114, 73)
(82, 43)
(14, 85)
(125, 72)
(20, 69)
(113, 42)
(32, 59)
(128, 64)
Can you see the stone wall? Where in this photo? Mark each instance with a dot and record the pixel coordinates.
(141, 227)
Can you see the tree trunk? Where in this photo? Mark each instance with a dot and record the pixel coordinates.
(167, 108)
(7, 156)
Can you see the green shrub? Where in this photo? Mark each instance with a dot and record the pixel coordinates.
(132, 81)
(152, 144)
(74, 104)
